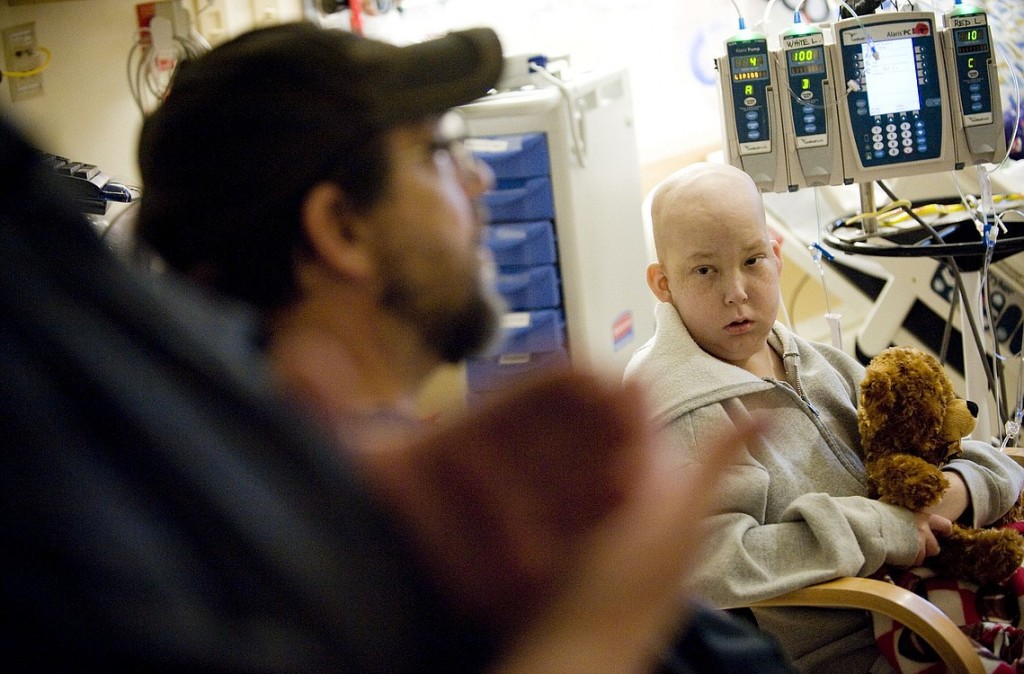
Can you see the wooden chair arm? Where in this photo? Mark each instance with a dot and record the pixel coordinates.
(919, 615)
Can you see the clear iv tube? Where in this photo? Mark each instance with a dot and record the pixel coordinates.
(767, 13)
(1016, 97)
(817, 251)
(867, 35)
(1013, 425)
(743, 23)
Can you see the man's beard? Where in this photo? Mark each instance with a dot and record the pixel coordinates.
(452, 332)
(470, 331)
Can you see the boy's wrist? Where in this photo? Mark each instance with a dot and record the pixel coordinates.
(956, 500)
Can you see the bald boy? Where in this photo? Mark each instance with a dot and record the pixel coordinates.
(717, 265)
(794, 508)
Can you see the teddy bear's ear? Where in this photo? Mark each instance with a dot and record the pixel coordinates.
(876, 396)
(876, 402)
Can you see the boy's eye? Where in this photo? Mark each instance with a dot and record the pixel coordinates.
(754, 260)
(702, 271)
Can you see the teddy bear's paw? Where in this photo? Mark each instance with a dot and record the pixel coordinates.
(982, 556)
(907, 481)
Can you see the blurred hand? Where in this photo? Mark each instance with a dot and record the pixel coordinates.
(626, 601)
(549, 517)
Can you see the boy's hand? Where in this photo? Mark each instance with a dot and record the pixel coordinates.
(930, 527)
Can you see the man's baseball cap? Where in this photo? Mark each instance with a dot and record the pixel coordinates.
(301, 78)
(250, 126)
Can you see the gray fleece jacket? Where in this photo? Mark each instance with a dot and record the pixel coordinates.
(794, 509)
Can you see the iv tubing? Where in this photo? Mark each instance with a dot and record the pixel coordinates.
(743, 22)
(867, 35)
(959, 285)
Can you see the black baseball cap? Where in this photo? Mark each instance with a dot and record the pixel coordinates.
(325, 81)
(250, 126)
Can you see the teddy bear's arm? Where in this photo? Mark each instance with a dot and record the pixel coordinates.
(905, 480)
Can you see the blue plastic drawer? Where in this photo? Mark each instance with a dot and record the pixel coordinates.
(516, 156)
(531, 331)
(530, 287)
(492, 373)
(522, 244)
(520, 199)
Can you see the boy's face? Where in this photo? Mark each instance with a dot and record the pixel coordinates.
(720, 269)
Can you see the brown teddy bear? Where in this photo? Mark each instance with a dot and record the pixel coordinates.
(911, 423)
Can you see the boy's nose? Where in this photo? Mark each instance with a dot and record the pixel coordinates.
(735, 293)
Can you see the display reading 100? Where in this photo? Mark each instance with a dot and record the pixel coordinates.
(806, 61)
(809, 55)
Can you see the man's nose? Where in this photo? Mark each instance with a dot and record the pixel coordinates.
(477, 176)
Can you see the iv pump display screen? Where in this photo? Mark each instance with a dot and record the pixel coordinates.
(750, 67)
(807, 61)
(891, 78)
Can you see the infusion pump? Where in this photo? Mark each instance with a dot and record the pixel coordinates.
(865, 98)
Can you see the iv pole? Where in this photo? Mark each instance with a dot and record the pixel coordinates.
(977, 376)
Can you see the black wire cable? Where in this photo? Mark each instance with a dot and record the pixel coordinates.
(947, 331)
(860, 8)
(951, 261)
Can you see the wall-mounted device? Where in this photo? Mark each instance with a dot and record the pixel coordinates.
(809, 108)
(974, 87)
(896, 116)
(752, 122)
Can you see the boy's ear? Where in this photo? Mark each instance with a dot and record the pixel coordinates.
(777, 249)
(336, 235)
(657, 281)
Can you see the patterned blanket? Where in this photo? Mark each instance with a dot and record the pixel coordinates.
(990, 615)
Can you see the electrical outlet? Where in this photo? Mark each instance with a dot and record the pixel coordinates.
(171, 11)
(265, 12)
(21, 55)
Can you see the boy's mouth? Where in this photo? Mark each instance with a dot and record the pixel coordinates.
(739, 327)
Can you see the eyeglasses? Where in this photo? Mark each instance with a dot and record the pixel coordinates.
(450, 138)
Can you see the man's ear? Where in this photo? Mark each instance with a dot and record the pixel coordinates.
(657, 281)
(337, 236)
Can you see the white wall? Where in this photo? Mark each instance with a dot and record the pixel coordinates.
(87, 112)
(655, 39)
(668, 46)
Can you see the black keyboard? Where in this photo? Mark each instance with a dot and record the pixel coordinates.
(91, 188)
